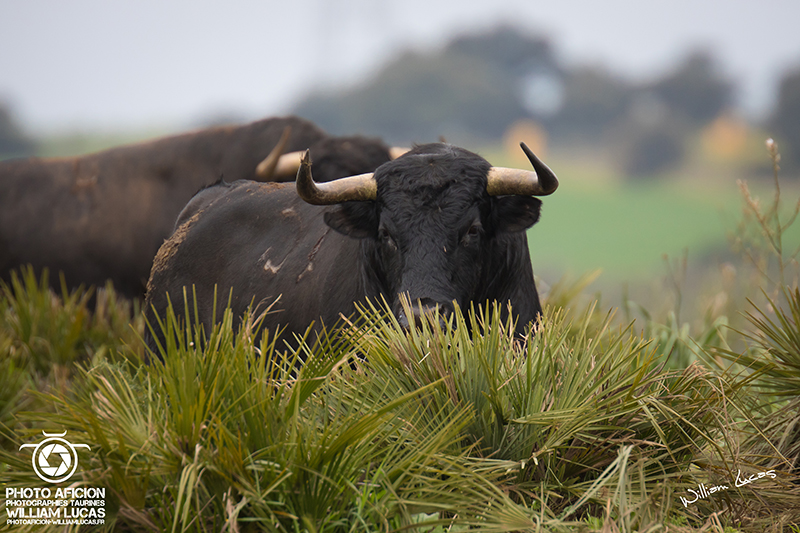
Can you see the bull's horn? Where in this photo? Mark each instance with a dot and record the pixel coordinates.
(354, 188)
(397, 151)
(507, 181)
(288, 164)
(266, 169)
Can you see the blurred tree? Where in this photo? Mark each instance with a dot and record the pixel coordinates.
(652, 148)
(471, 89)
(478, 86)
(13, 142)
(593, 100)
(695, 89)
(664, 114)
(651, 136)
(785, 121)
(514, 53)
(421, 98)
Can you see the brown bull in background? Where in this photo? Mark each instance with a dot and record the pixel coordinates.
(103, 216)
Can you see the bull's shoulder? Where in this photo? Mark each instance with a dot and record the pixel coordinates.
(232, 234)
(202, 199)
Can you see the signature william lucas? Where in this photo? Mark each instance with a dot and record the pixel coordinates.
(704, 492)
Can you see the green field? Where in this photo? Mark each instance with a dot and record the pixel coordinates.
(626, 230)
(624, 227)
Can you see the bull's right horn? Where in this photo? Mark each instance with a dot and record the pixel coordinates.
(507, 181)
(359, 188)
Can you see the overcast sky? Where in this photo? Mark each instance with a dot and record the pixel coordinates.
(129, 64)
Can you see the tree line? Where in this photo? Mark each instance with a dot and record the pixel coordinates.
(477, 86)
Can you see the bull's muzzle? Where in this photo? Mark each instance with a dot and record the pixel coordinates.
(424, 309)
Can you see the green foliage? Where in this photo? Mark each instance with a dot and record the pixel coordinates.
(227, 431)
(466, 426)
(45, 336)
(13, 393)
(45, 329)
(557, 411)
(774, 355)
(376, 428)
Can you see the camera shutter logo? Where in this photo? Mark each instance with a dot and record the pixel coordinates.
(54, 459)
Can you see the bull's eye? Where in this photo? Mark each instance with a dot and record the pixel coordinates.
(386, 239)
(472, 234)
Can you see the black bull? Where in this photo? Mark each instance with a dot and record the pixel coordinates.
(439, 225)
(103, 216)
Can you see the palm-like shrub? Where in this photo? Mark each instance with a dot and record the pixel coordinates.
(559, 410)
(374, 428)
(44, 336)
(228, 432)
(769, 428)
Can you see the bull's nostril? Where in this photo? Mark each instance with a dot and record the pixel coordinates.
(403, 320)
(425, 309)
(426, 305)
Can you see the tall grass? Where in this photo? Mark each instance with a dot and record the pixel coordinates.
(464, 426)
(235, 434)
(563, 406)
(761, 235)
(45, 336)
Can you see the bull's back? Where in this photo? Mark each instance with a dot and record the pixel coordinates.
(252, 243)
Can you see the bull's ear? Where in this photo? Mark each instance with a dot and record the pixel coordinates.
(516, 213)
(354, 219)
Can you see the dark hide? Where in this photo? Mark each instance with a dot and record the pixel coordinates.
(334, 158)
(433, 233)
(103, 216)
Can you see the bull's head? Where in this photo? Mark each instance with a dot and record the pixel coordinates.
(440, 225)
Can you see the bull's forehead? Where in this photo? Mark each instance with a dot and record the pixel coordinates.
(436, 177)
(432, 194)
(430, 170)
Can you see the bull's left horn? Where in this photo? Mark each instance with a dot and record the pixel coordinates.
(284, 167)
(509, 181)
(266, 170)
(359, 188)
